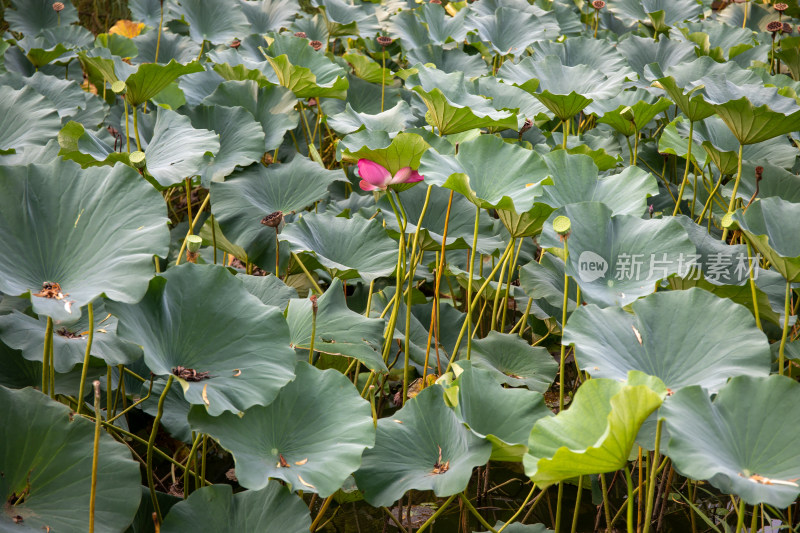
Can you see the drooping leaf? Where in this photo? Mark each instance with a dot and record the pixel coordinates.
(514, 362)
(150, 79)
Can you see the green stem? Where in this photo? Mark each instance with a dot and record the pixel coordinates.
(735, 189)
(151, 444)
(651, 485)
(576, 512)
(563, 357)
(435, 515)
(188, 187)
(475, 513)
(635, 148)
(740, 519)
(753, 294)
(202, 45)
(133, 405)
(307, 273)
(48, 341)
(629, 482)
(469, 280)
(321, 513)
(686, 170)
(189, 458)
(787, 311)
(508, 284)
(136, 129)
(383, 76)
(96, 452)
(191, 228)
(558, 507)
(519, 511)
(313, 334)
(160, 25)
(606, 504)
(127, 121)
(434, 325)
(85, 368)
(499, 289)
(565, 132)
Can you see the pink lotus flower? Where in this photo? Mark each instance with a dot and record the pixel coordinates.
(376, 177)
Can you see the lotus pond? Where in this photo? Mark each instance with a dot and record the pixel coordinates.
(367, 266)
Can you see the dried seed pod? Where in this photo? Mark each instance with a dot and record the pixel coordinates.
(316, 45)
(775, 26)
(273, 220)
(58, 6)
(598, 4)
(236, 43)
(780, 7)
(300, 34)
(384, 40)
(787, 28)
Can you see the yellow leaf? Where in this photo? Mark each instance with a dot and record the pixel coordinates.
(205, 394)
(127, 28)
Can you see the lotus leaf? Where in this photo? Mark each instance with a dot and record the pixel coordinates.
(404, 150)
(766, 225)
(34, 16)
(512, 361)
(304, 71)
(215, 21)
(26, 119)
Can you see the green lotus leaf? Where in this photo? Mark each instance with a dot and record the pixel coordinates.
(54, 496)
(265, 16)
(345, 19)
(271, 105)
(718, 340)
(200, 85)
(397, 118)
(512, 361)
(215, 21)
(510, 31)
(508, 97)
(719, 41)
(31, 17)
(528, 223)
(640, 52)
(272, 509)
(519, 527)
(318, 425)
(339, 331)
(348, 248)
(70, 101)
(775, 181)
(143, 521)
(148, 11)
(575, 179)
(768, 227)
(454, 104)
(177, 150)
(150, 79)
(103, 68)
(303, 70)
(404, 150)
(756, 19)
(172, 47)
(241, 139)
(269, 289)
(247, 196)
(26, 333)
(762, 464)
(754, 113)
(596, 434)
(544, 280)
(365, 98)
(39, 57)
(631, 111)
(448, 60)
(599, 54)
(221, 329)
(661, 14)
(674, 140)
(16, 372)
(617, 259)
(422, 435)
(48, 220)
(503, 416)
(86, 148)
(474, 173)
(117, 44)
(26, 119)
(430, 24)
(367, 69)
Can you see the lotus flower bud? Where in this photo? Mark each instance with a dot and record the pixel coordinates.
(119, 87)
(137, 159)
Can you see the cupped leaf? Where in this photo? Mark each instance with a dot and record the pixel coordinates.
(86, 147)
(151, 78)
(339, 331)
(53, 225)
(273, 509)
(215, 21)
(474, 172)
(269, 289)
(26, 119)
(423, 446)
(47, 469)
(503, 416)
(641, 52)
(631, 111)
(201, 318)
(511, 360)
(395, 119)
(768, 226)
(311, 436)
(247, 196)
(348, 248)
(683, 338)
(596, 434)
(762, 463)
(617, 259)
(404, 150)
(303, 70)
(177, 150)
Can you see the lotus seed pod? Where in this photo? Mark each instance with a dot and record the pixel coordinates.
(316, 45)
(562, 225)
(273, 220)
(119, 87)
(193, 243)
(627, 113)
(728, 222)
(775, 26)
(598, 4)
(781, 7)
(58, 6)
(787, 28)
(300, 34)
(384, 40)
(137, 159)
(236, 43)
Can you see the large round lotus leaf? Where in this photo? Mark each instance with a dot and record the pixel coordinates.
(423, 446)
(775, 181)
(269, 289)
(596, 434)
(770, 226)
(349, 248)
(269, 15)
(202, 318)
(172, 46)
(397, 118)
(215, 21)
(599, 54)
(177, 150)
(150, 79)
(16, 372)
(305, 71)
(430, 24)
(511, 360)
(544, 281)
(455, 104)
(272, 509)
(717, 339)
(271, 105)
(47, 463)
(246, 197)
(450, 60)
(575, 179)
(510, 31)
(460, 225)
(639, 52)
(617, 259)
(744, 442)
(475, 170)
(660, 13)
(241, 139)
(79, 231)
(631, 111)
(26, 333)
(71, 102)
(31, 17)
(26, 119)
(339, 331)
(721, 263)
(503, 416)
(311, 436)
(404, 150)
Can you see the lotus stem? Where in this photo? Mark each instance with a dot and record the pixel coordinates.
(160, 26)
(740, 518)
(96, 454)
(493, 322)
(400, 215)
(787, 311)
(564, 304)
(313, 329)
(86, 356)
(606, 505)
(188, 186)
(439, 511)
(519, 511)
(508, 283)
(575, 513)
(754, 518)
(565, 132)
(732, 204)
(475, 512)
(636, 149)
(596, 21)
(277, 254)
(753, 293)
(151, 445)
(651, 485)
(744, 20)
(686, 170)
(133, 405)
(191, 229)
(135, 130)
(383, 76)
(213, 235)
(321, 513)
(395, 520)
(629, 482)
(372, 406)
(307, 273)
(127, 120)
(200, 55)
(189, 458)
(557, 527)
(48, 342)
(523, 318)
(469, 280)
